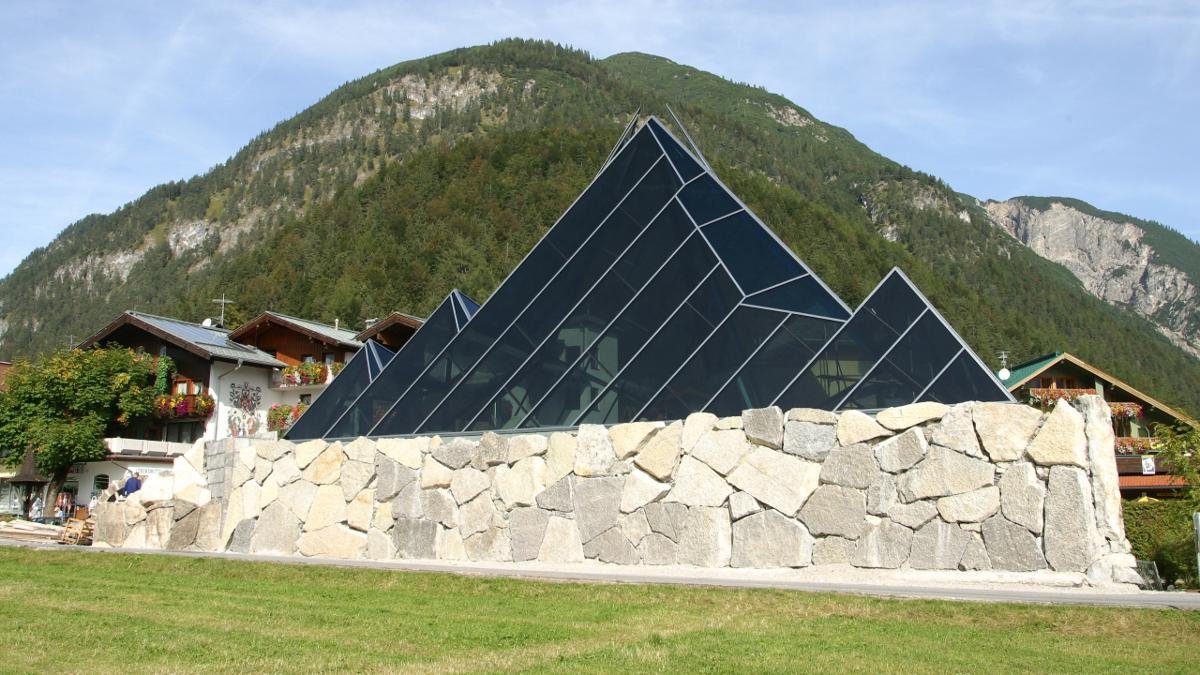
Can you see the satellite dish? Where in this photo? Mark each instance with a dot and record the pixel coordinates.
(1004, 373)
(207, 323)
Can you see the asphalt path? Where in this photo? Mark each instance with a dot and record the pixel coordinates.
(599, 573)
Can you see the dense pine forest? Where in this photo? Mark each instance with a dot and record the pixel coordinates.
(443, 172)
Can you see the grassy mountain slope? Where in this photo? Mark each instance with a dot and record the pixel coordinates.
(444, 171)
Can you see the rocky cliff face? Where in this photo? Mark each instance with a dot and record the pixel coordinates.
(1112, 261)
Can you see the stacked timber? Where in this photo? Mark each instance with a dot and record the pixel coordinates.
(24, 530)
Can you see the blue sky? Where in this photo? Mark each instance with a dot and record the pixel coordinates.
(1100, 101)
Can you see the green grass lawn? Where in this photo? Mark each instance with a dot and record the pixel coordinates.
(72, 611)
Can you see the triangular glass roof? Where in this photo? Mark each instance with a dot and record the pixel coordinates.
(656, 294)
(368, 405)
(341, 393)
(896, 349)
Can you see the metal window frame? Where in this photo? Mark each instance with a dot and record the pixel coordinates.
(640, 349)
(881, 359)
(711, 333)
(586, 294)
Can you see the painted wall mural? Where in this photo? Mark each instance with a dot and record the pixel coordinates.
(244, 401)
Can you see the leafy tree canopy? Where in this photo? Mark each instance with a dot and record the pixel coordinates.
(62, 403)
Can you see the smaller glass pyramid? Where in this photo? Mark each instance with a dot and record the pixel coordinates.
(353, 412)
(337, 398)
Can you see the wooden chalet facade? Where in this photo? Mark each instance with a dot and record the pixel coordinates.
(1135, 414)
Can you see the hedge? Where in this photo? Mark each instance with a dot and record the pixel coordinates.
(1162, 531)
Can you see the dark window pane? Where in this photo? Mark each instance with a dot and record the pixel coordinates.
(805, 295)
(715, 361)
(964, 381)
(583, 326)
(752, 255)
(908, 368)
(664, 353)
(706, 200)
(399, 372)
(670, 287)
(758, 382)
(892, 307)
(468, 305)
(684, 164)
(591, 262)
(602, 195)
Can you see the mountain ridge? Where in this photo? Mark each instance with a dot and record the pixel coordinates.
(443, 171)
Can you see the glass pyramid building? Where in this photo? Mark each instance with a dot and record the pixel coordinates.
(657, 294)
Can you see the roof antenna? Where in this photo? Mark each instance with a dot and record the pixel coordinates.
(625, 136)
(222, 302)
(1004, 373)
(695, 148)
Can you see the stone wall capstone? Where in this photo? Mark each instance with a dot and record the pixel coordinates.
(968, 487)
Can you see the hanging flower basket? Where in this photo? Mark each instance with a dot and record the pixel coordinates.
(1047, 398)
(308, 373)
(183, 406)
(1127, 445)
(1127, 410)
(281, 416)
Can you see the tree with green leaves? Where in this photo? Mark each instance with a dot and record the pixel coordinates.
(62, 404)
(1178, 450)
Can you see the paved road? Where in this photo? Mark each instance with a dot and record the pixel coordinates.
(1020, 593)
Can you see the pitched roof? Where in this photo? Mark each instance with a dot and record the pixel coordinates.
(1030, 369)
(204, 341)
(314, 329)
(393, 319)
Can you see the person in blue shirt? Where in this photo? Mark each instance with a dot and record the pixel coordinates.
(132, 485)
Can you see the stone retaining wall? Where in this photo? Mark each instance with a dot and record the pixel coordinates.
(978, 486)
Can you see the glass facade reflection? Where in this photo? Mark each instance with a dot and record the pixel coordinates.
(657, 294)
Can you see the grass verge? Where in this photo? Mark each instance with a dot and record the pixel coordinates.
(73, 611)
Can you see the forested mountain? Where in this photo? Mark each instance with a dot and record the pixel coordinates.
(443, 172)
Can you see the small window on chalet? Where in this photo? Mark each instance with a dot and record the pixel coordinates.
(100, 483)
(307, 358)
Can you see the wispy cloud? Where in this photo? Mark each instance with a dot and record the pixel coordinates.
(98, 103)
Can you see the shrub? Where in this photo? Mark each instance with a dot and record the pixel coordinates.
(1162, 531)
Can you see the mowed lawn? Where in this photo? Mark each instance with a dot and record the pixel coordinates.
(64, 610)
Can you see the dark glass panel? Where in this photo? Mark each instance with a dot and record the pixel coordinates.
(604, 193)
(963, 381)
(468, 304)
(684, 164)
(525, 282)
(706, 200)
(594, 258)
(712, 364)
(908, 368)
(636, 323)
(584, 324)
(867, 335)
(663, 354)
(752, 255)
(399, 372)
(759, 381)
(805, 295)
(378, 357)
(334, 400)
